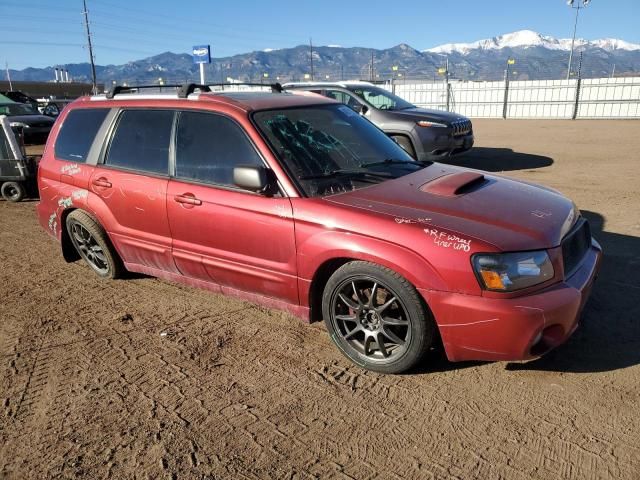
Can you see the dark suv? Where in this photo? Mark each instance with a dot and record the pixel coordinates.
(295, 201)
(424, 134)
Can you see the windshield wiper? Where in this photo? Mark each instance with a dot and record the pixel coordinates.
(392, 161)
(344, 171)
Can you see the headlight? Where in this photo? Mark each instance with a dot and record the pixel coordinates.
(425, 123)
(18, 125)
(506, 272)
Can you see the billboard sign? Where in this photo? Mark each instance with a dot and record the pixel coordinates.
(201, 54)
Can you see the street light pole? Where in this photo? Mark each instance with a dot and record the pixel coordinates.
(575, 27)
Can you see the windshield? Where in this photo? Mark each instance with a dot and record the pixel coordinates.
(380, 98)
(331, 149)
(16, 109)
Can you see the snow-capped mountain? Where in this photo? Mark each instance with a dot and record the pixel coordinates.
(537, 57)
(528, 39)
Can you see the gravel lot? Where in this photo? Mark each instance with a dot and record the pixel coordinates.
(141, 378)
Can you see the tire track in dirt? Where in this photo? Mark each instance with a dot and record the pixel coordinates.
(235, 391)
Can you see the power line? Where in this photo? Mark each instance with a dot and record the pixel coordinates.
(186, 20)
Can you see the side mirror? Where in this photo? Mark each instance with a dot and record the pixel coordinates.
(254, 178)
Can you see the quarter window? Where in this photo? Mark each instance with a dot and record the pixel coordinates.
(78, 132)
(141, 141)
(209, 146)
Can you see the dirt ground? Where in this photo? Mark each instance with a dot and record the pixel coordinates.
(141, 378)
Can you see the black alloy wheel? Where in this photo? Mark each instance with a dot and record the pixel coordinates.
(93, 245)
(376, 317)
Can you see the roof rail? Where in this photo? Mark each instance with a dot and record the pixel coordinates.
(124, 89)
(188, 88)
(275, 87)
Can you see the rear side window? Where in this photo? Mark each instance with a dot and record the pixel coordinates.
(141, 141)
(77, 133)
(209, 146)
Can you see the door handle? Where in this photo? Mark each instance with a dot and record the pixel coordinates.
(101, 182)
(188, 199)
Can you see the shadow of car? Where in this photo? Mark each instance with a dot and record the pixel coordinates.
(609, 335)
(493, 159)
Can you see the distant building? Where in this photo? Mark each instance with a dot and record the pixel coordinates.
(50, 89)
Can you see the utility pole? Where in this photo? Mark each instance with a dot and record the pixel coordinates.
(371, 67)
(94, 87)
(311, 57)
(510, 62)
(341, 72)
(8, 76)
(446, 83)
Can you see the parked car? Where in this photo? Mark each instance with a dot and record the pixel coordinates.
(52, 107)
(20, 97)
(295, 201)
(425, 134)
(23, 117)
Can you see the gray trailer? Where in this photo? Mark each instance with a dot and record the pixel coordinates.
(17, 171)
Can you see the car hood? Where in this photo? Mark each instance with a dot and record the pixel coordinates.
(510, 215)
(31, 119)
(418, 113)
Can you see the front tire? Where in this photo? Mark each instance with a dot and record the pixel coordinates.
(376, 317)
(93, 245)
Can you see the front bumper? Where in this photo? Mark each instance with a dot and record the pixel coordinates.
(441, 145)
(521, 328)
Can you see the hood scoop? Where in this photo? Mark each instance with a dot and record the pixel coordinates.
(453, 184)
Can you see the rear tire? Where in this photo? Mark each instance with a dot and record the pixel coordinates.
(406, 144)
(13, 191)
(92, 244)
(376, 317)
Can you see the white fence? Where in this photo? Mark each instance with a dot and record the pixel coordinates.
(596, 98)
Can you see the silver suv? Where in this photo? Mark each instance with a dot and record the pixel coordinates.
(424, 134)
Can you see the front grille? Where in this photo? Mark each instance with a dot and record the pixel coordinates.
(461, 127)
(575, 246)
(40, 124)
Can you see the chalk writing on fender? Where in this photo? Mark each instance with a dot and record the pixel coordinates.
(448, 240)
(401, 220)
(70, 169)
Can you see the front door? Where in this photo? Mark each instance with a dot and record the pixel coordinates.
(221, 233)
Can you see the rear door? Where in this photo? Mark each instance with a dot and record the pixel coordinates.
(131, 186)
(221, 233)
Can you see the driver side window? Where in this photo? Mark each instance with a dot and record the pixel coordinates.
(210, 146)
(345, 98)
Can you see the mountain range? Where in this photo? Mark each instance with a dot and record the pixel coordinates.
(536, 57)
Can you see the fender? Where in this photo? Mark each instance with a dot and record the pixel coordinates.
(329, 245)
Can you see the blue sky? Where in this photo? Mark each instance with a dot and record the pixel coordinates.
(48, 32)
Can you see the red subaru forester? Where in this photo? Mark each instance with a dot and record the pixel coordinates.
(297, 202)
